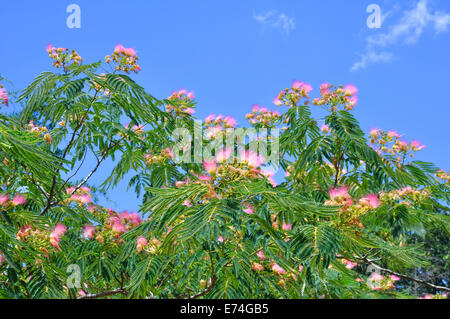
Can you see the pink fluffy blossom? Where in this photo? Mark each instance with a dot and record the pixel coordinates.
(4, 199)
(210, 166)
(18, 200)
(277, 269)
(88, 231)
(371, 200)
(260, 254)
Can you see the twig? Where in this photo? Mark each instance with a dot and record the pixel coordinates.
(104, 294)
(419, 281)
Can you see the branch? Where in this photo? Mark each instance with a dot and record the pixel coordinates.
(211, 286)
(104, 294)
(419, 281)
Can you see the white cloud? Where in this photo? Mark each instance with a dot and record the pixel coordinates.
(408, 30)
(371, 57)
(276, 20)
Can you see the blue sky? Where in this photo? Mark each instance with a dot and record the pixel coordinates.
(233, 54)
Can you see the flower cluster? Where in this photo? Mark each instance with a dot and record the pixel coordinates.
(380, 282)
(349, 264)
(3, 96)
(335, 96)
(6, 201)
(215, 124)
(164, 155)
(263, 263)
(389, 143)
(223, 170)
(291, 96)
(151, 246)
(62, 57)
(42, 240)
(40, 131)
(350, 211)
(443, 175)
(80, 196)
(183, 102)
(262, 116)
(407, 194)
(113, 226)
(125, 59)
(56, 234)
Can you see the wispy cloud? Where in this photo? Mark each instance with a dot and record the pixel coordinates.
(407, 30)
(276, 20)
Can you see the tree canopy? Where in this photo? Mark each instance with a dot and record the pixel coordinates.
(342, 222)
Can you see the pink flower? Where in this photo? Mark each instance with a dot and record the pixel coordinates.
(210, 166)
(267, 173)
(209, 118)
(296, 84)
(18, 200)
(371, 200)
(260, 254)
(4, 199)
(190, 95)
(187, 203)
(393, 134)
(338, 192)
(325, 89)
(255, 108)
(118, 227)
(130, 52)
(223, 155)
(325, 128)
(286, 227)
(417, 146)
(395, 278)
(54, 241)
(277, 101)
(204, 177)
(3, 97)
(119, 49)
(1, 259)
(86, 198)
(135, 219)
(300, 268)
(89, 231)
(141, 243)
(248, 209)
(307, 87)
(277, 269)
(350, 89)
(229, 121)
(220, 239)
(353, 100)
(253, 160)
(59, 230)
(189, 110)
(349, 264)
(376, 277)
(374, 132)
(257, 267)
